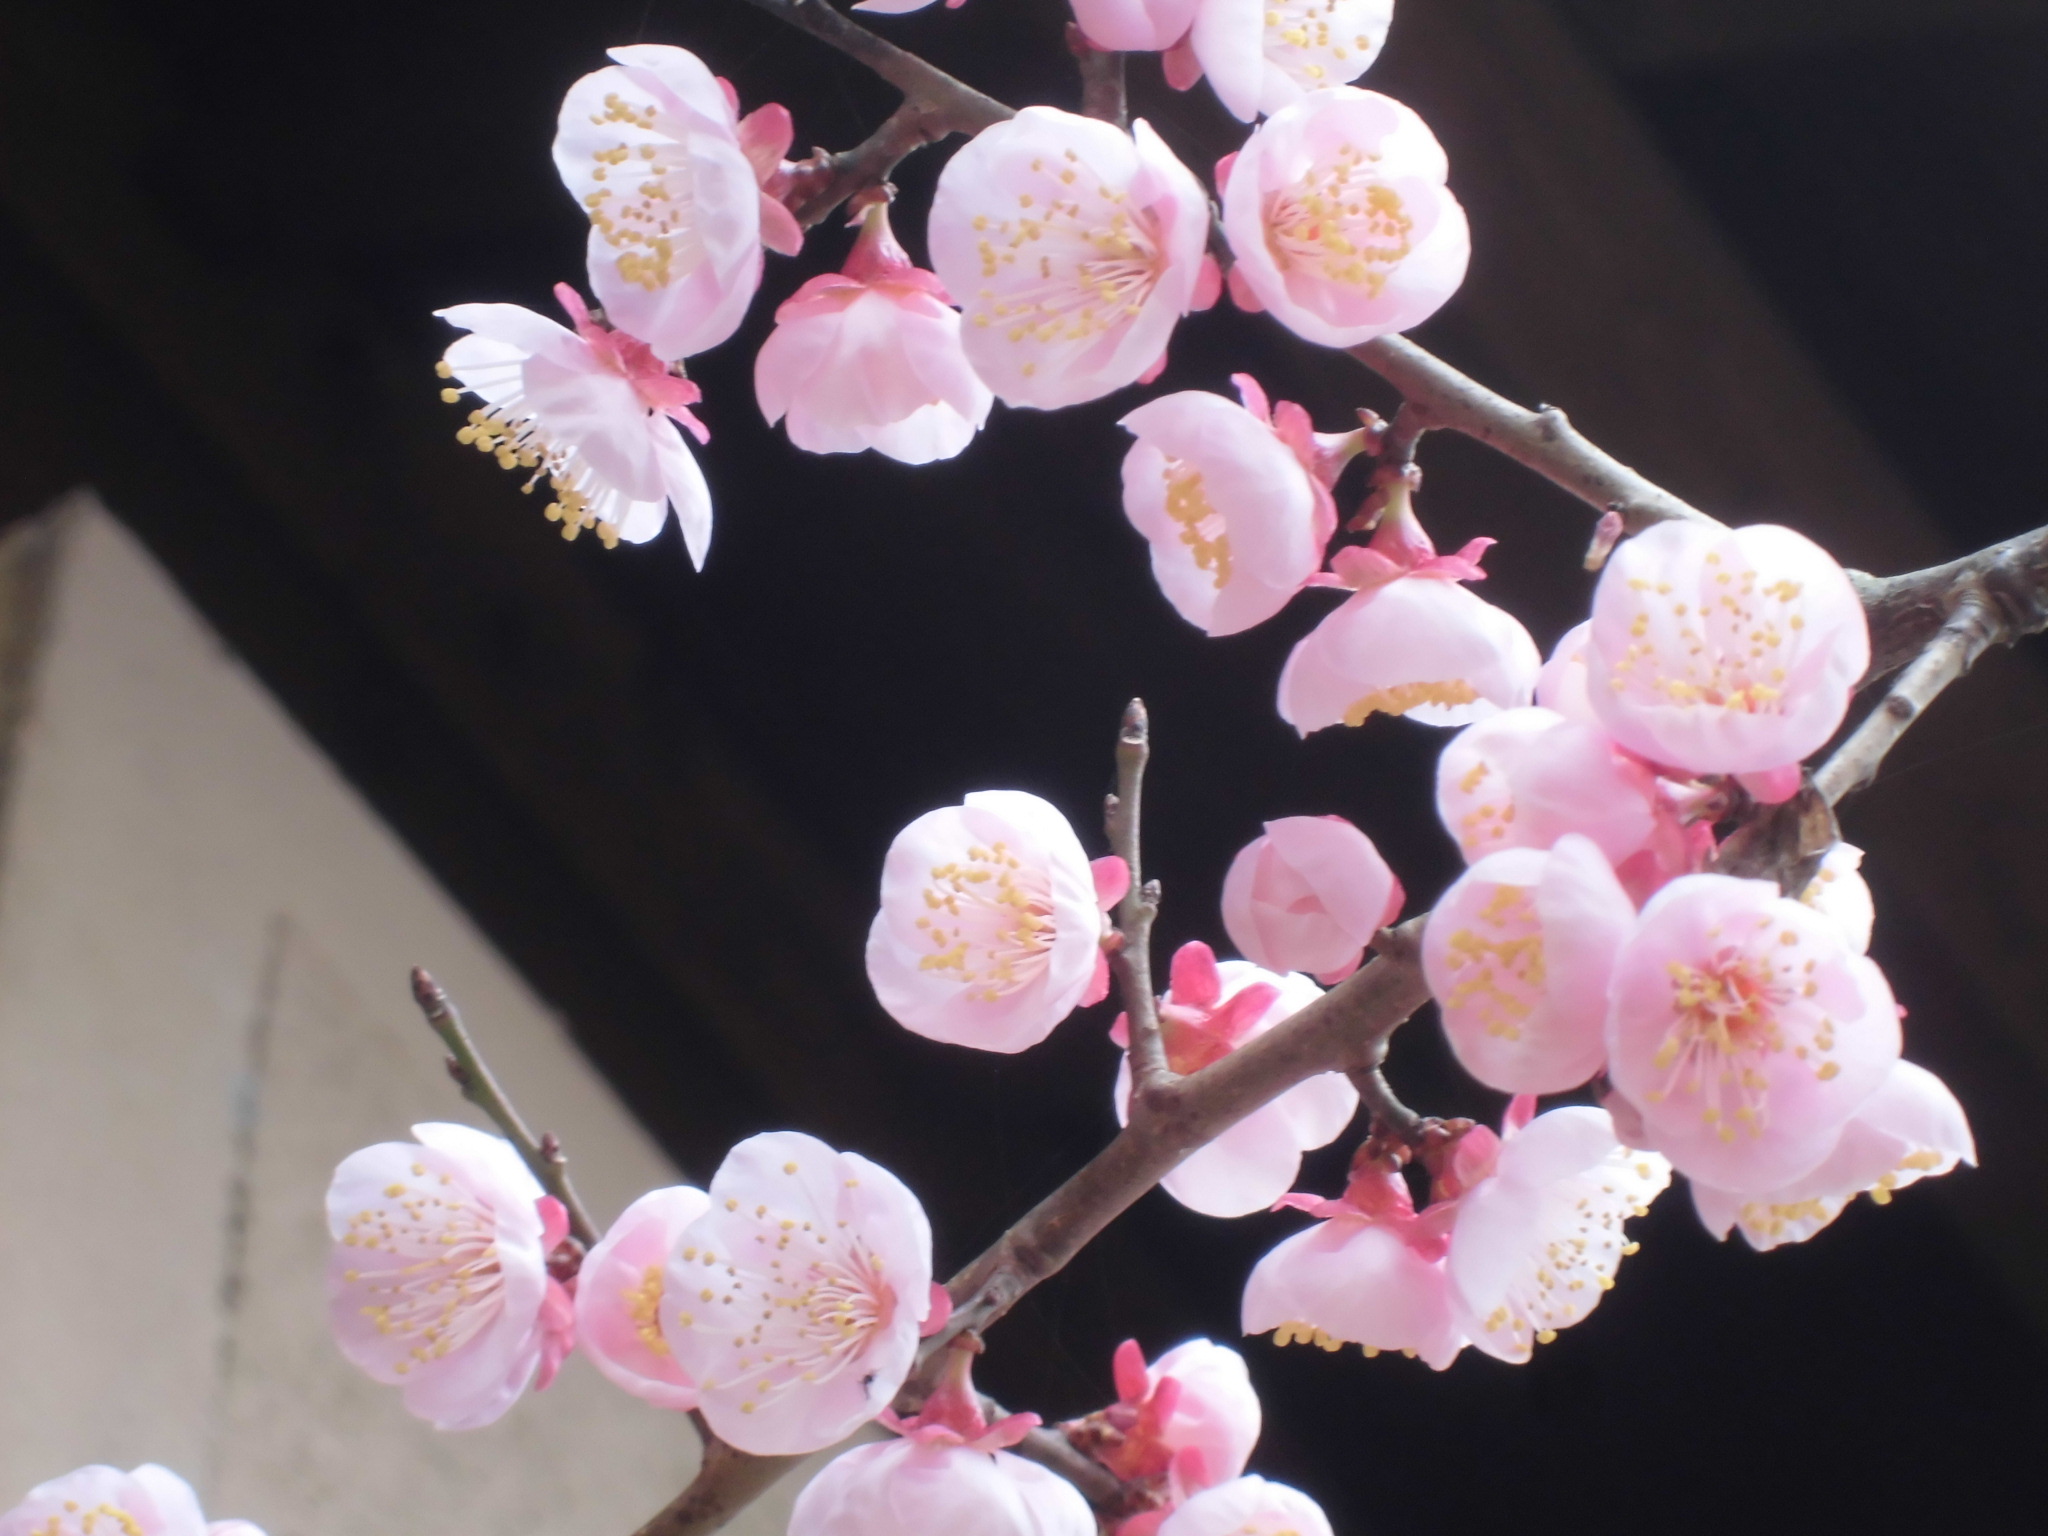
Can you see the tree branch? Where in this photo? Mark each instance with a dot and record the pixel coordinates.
(814, 187)
(963, 108)
(1907, 612)
(1131, 960)
(1102, 79)
(1542, 439)
(466, 1065)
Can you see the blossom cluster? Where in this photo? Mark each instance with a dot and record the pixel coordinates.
(1065, 252)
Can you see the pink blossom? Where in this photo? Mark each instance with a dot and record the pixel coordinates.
(590, 410)
(619, 1293)
(950, 1473)
(674, 182)
(1838, 893)
(438, 1282)
(1186, 1423)
(1209, 1011)
(1724, 650)
(1525, 777)
(1539, 1229)
(990, 929)
(1911, 1128)
(1248, 1506)
(1411, 640)
(1309, 896)
(871, 358)
(1370, 1272)
(1518, 954)
(795, 1301)
(149, 1501)
(1074, 249)
(1135, 26)
(1745, 1030)
(1235, 501)
(1263, 55)
(1340, 221)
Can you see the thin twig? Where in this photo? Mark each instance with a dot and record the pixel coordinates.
(813, 188)
(1542, 439)
(1972, 629)
(466, 1065)
(1131, 961)
(965, 108)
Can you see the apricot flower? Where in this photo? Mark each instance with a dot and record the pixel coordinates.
(438, 1282)
(101, 1501)
(1186, 1422)
(1308, 896)
(1745, 1030)
(1248, 1506)
(990, 928)
(1134, 26)
(1518, 953)
(590, 410)
(1235, 501)
(673, 181)
(1073, 249)
(1911, 1128)
(1263, 55)
(1209, 1011)
(794, 1302)
(1724, 650)
(870, 357)
(619, 1292)
(1340, 221)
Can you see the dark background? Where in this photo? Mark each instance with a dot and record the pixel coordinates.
(1783, 254)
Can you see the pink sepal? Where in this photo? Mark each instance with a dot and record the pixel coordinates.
(1195, 982)
(765, 135)
(1158, 367)
(942, 1310)
(1253, 394)
(1223, 168)
(1772, 786)
(1112, 879)
(780, 231)
(1350, 967)
(1208, 286)
(1181, 67)
(732, 95)
(1521, 1110)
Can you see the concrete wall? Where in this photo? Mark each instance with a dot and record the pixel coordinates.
(204, 942)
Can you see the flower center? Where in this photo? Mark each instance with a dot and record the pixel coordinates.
(1202, 527)
(1340, 224)
(513, 434)
(1075, 261)
(1299, 38)
(647, 212)
(643, 1305)
(1725, 649)
(1499, 972)
(436, 1273)
(1731, 1016)
(990, 920)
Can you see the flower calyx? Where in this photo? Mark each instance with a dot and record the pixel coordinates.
(953, 1415)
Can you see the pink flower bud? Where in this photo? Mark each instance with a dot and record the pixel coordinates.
(1208, 1012)
(1911, 1128)
(991, 925)
(1518, 954)
(1191, 1418)
(1236, 515)
(1263, 55)
(871, 358)
(652, 150)
(1724, 650)
(1339, 219)
(438, 1281)
(94, 1501)
(1746, 1031)
(619, 1293)
(1248, 1506)
(1073, 248)
(1309, 896)
(794, 1302)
